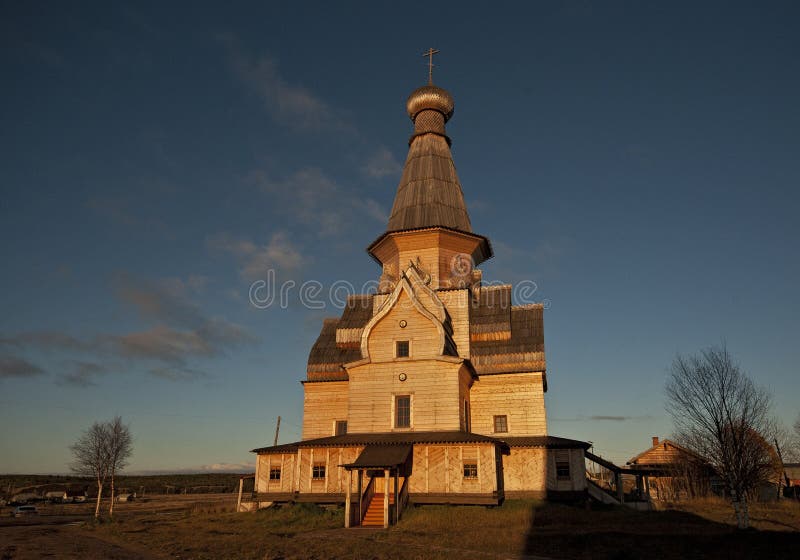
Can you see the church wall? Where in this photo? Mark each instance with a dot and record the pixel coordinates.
(526, 472)
(518, 396)
(296, 470)
(577, 469)
(439, 469)
(266, 462)
(433, 386)
(323, 404)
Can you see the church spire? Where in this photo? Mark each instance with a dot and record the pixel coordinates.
(429, 193)
(429, 227)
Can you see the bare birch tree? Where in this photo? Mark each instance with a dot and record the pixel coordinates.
(91, 459)
(720, 414)
(120, 448)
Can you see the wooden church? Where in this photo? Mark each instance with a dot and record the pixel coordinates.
(432, 389)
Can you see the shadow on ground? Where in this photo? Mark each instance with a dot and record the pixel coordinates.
(618, 533)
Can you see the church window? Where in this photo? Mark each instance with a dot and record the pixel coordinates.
(402, 411)
(341, 427)
(470, 470)
(318, 471)
(275, 473)
(402, 349)
(500, 424)
(562, 465)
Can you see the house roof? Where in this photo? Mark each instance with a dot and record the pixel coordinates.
(662, 443)
(385, 438)
(550, 442)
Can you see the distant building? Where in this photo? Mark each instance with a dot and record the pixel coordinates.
(56, 496)
(675, 472)
(792, 471)
(431, 389)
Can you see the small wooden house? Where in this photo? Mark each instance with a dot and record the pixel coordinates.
(674, 471)
(432, 389)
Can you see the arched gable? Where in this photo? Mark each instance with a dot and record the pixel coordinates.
(425, 302)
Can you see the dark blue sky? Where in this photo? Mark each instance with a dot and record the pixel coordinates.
(638, 161)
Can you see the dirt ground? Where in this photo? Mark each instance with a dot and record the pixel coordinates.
(205, 527)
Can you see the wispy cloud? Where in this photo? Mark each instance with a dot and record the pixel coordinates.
(180, 333)
(14, 366)
(82, 374)
(177, 374)
(515, 263)
(292, 105)
(121, 210)
(381, 164)
(312, 198)
(279, 254)
(48, 340)
(308, 195)
(602, 418)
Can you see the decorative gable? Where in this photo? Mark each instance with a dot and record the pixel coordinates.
(432, 331)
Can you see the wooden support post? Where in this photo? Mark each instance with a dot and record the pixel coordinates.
(360, 495)
(396, 501)
(239, 500)
(620, 491)
(385, 498)
(647, 486)
(347, 499)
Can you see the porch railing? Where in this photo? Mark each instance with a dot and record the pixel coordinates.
(366, 498)
(402, 499)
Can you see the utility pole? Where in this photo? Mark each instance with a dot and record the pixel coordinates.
(277, 430)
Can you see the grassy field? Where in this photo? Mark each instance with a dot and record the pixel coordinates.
(209, 529)
(154, 484)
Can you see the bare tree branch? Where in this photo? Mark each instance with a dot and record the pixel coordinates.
(720, 414)
(90, 457)
(101, 452)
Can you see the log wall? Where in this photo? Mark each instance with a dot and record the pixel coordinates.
(323, 404)
(518, 396)
(439, 469)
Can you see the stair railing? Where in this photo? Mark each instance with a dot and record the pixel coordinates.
(403, 498)
(366, 498)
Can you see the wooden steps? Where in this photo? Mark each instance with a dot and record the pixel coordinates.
(374, 515)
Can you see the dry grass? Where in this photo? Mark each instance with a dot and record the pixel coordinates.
(520, 528)
(766, 516)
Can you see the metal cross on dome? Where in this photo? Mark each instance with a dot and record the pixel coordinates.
(429, 53)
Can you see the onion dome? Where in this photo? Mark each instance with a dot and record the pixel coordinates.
(430, 97)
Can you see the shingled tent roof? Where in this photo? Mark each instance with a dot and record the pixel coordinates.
(327, 356)
(522, 351)
(429, 193)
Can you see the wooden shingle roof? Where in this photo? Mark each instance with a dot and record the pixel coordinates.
(522, 351)
(326, 357)
(387, 438)
(429, 193)
(550, 442)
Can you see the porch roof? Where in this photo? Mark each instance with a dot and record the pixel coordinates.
(550, 442)
(381, 456)
(386, 439)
